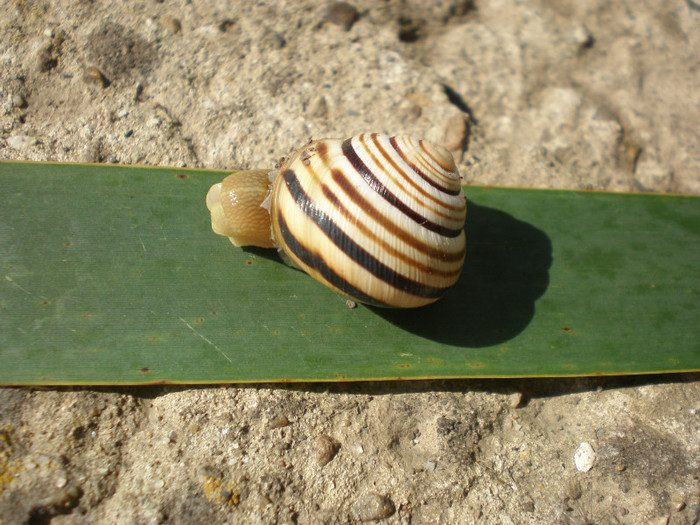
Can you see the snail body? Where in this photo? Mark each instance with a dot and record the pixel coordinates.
(379, 219)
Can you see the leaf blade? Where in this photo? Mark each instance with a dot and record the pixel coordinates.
(111, 275)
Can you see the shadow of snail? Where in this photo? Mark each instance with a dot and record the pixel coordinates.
(505, 272)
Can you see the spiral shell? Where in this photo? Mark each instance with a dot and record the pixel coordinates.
(379, 219)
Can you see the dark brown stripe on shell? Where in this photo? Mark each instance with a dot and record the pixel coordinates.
(407, 179)
(420, 172)
(349, 247)
(321, 148)
(385, 246)
(392, 199)
(315, 261)
(374, 214)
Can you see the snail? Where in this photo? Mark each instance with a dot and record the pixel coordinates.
(378, 219)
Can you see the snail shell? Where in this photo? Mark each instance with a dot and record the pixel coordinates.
(379, 219)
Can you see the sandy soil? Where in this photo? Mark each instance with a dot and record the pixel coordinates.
(549, 93)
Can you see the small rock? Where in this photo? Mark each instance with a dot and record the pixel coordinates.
(573, 489)
(50, 51)
(373, 507)
(455, 134)
(277, 41)
(138, 91)
(326, 449)
(208, 471)
(19, 101)
(410, 110)
(21, 141)
(61, 482)
(341, 14)
(46, 60)
(582, 36)
(171, 23)
(515, 400)
(279, 422)
(318, 107)
(410, 30)
(350, 304)
(584, 457)
(678, 502)
(660, 520)
(226, 24)
(92, 75)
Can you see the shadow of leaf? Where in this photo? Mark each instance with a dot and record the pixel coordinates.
(506, 271)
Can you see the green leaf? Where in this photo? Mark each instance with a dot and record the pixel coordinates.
(111, 275)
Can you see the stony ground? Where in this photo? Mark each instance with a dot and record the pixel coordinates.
(566, 94)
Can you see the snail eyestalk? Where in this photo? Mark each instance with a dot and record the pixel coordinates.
(237, 206)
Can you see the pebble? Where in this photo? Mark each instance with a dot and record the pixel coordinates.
(584, 457)
(515, 400)
(373, 507)
(341, 14)
(45, 58)
(573, 489)
(350, 304)
(171, 23)
(208, 471)
(410, 110)
(279, 422)
(92, 75)
(678, 502)
(21, 141)
(318, 107)
(277, 41)
(582, 36)
(226, 24)
(455, 134)
(19, 101)
(326, 449)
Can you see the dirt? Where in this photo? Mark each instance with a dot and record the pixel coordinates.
(553, 94)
